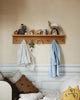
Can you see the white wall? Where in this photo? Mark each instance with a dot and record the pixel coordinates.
(35, 14)
(40, 77)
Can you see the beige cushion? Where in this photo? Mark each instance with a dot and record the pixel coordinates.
(15, 77)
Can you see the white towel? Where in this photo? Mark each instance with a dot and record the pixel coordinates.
(23, 54)
(25, 57)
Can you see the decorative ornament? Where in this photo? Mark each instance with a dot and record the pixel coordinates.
(31, 44)
(54, 27)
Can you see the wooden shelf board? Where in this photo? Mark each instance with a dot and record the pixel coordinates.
(46, 39)
(38, 35)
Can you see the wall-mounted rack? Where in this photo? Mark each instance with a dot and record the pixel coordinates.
(46, 39)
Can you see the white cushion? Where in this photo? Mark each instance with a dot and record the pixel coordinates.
(73, 82)
(30, 96)
(15, 77)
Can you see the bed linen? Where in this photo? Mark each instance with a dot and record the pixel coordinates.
(49, 98)
(50, 94)
(30, 96)
(44, 94)
(73, 82)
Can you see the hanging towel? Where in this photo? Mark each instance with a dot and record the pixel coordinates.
(54, 59)
(23, 54)
(25, 57)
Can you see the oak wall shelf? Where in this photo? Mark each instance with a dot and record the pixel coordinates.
(46, 39)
